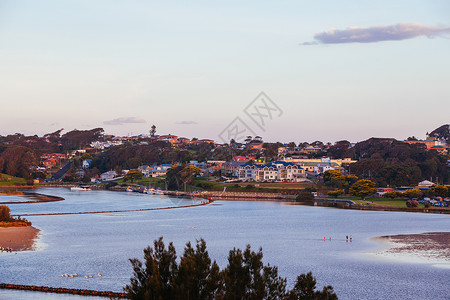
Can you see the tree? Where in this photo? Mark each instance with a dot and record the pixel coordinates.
(17, 161)
(179, 176)
(349, 181)
(334, 178)
(75, 139)
(363, 188)
(196, 278)
(393, 194)
(153, 131)
(341, 149)
(86, 156)
(153, 279)
(440, 191)
(305, 289)
(133, 174)
(412, 193)
(5, 213)
(39, 174)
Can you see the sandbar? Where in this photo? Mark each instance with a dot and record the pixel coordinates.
(18, 238)
(428, 247)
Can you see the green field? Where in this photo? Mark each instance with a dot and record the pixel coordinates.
(8, 180)
(382, 202)
(153, 182)
(274, 185)
(205, 183)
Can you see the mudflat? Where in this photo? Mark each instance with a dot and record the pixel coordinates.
(18, 238)
(422, 247)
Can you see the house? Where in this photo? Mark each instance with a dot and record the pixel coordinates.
(86, 163)
(206, 141)
(200, 165)
(50, 163)
(54, 155)
(255, 144)
(108, 176)
(243, 158)
(282, 150)
(275, 171)
(95, 179)
(172, 139)
(215, 165)
(425, 184)
(155, 171)
(439, 148)
(160, 170)
(381, 191)
(431, 143)
(183, 140)
(311, 149)
(230, 168)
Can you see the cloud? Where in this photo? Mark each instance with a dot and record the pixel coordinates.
(396, 32)
(186, 122)
(124, 120)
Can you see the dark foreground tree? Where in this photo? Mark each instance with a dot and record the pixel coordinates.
(195, 277)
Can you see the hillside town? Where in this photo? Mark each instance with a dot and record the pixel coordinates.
(92, 157)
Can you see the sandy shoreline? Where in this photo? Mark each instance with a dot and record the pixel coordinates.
(19, 238)
(429, 247)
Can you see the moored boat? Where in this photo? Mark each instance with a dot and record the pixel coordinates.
(80, 188)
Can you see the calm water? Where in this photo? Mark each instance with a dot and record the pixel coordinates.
(291, 238)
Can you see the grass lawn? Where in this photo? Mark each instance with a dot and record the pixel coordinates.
(394, 202)
(267, 185)
(8, 180)
(152, 181)
(274, 185)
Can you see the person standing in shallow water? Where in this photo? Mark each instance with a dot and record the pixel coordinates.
(346, 238)
(350, 238)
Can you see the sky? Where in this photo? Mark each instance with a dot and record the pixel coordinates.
(285, 70)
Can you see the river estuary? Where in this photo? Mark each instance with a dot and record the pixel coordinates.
(292, 237)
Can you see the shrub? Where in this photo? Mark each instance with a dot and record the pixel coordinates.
(110, 184)
(305, 196)
(5, 213)
(392, 195)
(336, 193)
(413, 193)
(412, 203)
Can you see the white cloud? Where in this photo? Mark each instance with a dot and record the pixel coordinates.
(186, 122)
(396, 32)
(124, 120)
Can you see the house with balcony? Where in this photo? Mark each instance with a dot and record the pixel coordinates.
(108, 176)
(274, 171)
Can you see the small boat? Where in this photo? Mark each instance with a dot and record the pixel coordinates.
(129, 189)
(80, 188)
